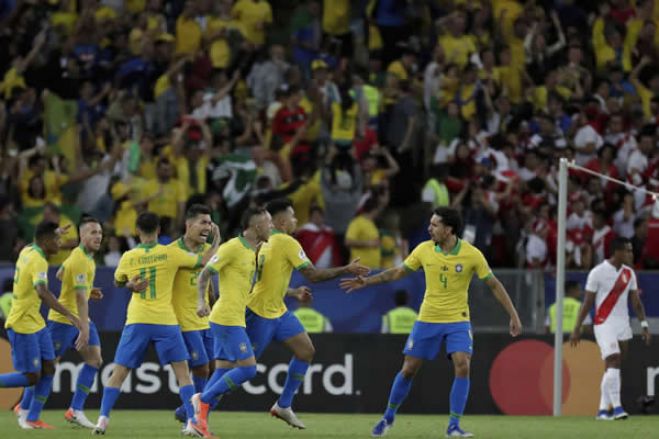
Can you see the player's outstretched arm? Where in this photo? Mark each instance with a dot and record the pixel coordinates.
(502, 296)
(639, 309)
(589, 300)
(202, 285)
(392, 274)
(52, 303)
(314, 274)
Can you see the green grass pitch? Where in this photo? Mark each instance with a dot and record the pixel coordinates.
(242, 425)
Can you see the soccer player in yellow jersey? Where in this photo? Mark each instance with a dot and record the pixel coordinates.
(148, 271)
(449, 264)
(31, 346)
(77, 275)
(235, 263)
(267, 316)
(196, 334)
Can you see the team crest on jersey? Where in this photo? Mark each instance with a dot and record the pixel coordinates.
(458, 268)
(243, 347)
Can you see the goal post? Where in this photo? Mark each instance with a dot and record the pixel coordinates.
(560, 281)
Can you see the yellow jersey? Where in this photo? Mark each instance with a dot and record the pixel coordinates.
(166, 204)
(158, 264)
(448, 275)
(235, 262)
(188, 36)
(336, 17)
(458, 49)
(78, 272)
(277, 259)
(344, 124)
(252, 14)
(220, 50)
(31, 270)
(364, 229)
(184, 297)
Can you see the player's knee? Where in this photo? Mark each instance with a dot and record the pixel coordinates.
(201, 371)
(48, 368)
(462, 369)
(409, 370)
(32, 377)
(249, 372)
(95, 362)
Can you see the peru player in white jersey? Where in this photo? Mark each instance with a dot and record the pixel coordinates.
(609, 286)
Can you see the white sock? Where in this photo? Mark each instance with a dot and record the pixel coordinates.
(604, 393)
(614, 386)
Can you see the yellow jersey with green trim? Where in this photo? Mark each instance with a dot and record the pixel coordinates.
(184, 296)
(78, 272)
(448, 275)
(276, 261)
(31, 270)
(235, 263)
(159, 265)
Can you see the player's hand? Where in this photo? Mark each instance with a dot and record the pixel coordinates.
(303, 294)
(357, 269)
(137, 284)
(83, 339)
(203, 310)
(217, 236)
(575, 337)
(647, 337)
(350, 285)
(96, 294)
(515, 326)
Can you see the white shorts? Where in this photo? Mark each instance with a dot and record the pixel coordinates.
(608, 336)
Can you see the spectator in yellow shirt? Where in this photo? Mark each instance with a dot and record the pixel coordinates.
(170, 202)
(336, 24)
(363, 236)
(403, 67)
(221, 31)
(255, 16)
(457, 46)
(188, 31)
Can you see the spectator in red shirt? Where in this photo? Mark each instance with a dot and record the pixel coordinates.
(319, 240)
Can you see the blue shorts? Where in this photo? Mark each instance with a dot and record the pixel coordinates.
(426, 339)
(231, 343)
(64, 336)
(135, 340)
(199, 345)
(29, 350)
(262, 331)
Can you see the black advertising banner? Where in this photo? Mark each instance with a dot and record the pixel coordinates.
(353, 373)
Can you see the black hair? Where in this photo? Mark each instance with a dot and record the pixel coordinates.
(279, 205)
(450, 217)
(197, 209)
(148, 222)
(619, 243)
(315, 208)
(87, 219)
(371, 203)
(401, 297)
(570, 285)
(45, 230)
(249, 214)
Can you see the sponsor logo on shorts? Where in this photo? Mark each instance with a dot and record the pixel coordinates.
(410, 344)
(194, 355)
(243, 347)
(35, 361)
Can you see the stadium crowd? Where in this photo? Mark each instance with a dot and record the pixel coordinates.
(365, 114)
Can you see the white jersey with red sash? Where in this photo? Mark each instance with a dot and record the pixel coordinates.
(611, 287)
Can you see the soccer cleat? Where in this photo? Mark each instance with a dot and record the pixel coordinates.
(180, 415)
(21, 416)
(201, 431)
(603, 415)
(287, 415)
(201, 410)
(101, 425)
(619, 414)
(189, 430)
(381, 428)
(456, 431)
(39, 425)
(77, 417)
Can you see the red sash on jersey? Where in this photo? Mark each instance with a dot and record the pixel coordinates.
(612, 298)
